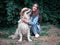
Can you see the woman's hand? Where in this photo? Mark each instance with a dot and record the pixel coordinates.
(26, 21)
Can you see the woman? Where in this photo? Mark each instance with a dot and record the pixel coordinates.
(35, 27)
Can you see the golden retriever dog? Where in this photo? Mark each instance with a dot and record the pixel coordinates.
(23, 28)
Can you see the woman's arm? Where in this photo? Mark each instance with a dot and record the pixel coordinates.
(26, 21)
(35, 21)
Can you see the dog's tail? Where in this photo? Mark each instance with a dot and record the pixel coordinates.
(12, 36)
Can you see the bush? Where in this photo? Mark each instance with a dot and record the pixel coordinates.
(9, 11)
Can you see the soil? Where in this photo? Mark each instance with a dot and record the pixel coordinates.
(51, 39)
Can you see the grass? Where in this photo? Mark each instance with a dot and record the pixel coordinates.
(46, 40)
(58, 34)
(58, 26)
(45, 23)
(43, 34)
(9, 31)
(37, 43)
(58, 43)
(4, 36)
(45, 29)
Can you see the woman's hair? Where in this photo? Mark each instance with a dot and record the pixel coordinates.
(38, 13)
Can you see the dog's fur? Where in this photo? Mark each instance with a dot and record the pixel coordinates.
(23, 28)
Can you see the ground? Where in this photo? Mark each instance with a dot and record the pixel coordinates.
(49, 35)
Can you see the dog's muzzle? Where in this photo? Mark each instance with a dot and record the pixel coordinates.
(30, 11)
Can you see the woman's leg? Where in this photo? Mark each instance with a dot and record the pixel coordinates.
(34, 30)
(38, 29)
(31, 32)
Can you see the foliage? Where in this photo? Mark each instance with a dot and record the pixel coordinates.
(51, 8)
(6, 32)
(58, 43)
(9, 11)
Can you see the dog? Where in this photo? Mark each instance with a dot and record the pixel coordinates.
(23, 28)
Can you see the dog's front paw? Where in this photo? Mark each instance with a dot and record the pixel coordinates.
(12, 37)
(20, 40)
(29, 40)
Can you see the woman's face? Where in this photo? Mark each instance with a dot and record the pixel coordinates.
(34, 8)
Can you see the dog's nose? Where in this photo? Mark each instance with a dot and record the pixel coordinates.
(29, 11)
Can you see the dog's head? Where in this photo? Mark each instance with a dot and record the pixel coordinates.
(25, 11)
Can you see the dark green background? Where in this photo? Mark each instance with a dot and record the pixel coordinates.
(9, 11)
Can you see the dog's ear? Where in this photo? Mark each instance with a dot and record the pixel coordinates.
(22, 11)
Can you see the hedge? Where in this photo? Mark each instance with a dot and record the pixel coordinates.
(9, 11)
